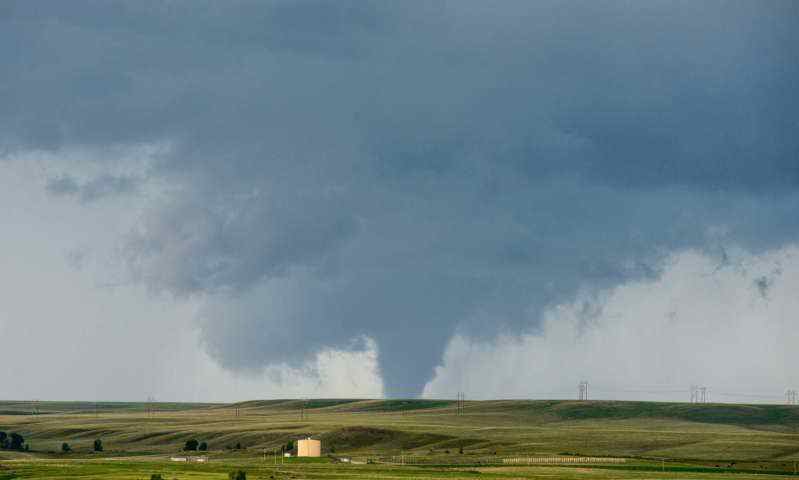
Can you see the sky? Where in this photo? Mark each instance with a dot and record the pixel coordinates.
(209, 201)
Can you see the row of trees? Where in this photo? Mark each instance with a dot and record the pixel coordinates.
(98, 446)
(14, 441)
(195, 445)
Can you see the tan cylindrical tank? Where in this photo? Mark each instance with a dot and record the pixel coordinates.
(309, 448)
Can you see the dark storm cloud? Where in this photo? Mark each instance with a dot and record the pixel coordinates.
(402, 170)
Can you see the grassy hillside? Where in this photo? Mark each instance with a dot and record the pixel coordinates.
(715, 436)
(42, 408)
(770, 417)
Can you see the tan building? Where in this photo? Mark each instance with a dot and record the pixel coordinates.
(309, 447)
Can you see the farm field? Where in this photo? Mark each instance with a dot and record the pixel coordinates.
(404, 439)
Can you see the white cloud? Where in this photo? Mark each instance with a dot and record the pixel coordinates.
(700, 323)
(330, 374)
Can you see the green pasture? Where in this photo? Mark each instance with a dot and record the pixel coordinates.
(657, 440)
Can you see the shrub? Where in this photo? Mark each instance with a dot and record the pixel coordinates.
(191, 445)
(237, 475)
(98, 445)
(65, 447)
(203, 446)
(156, 476)
(16, 442)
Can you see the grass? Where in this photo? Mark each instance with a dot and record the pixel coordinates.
(660, 440)
(400, 405)
(120, 470)
(779, 417)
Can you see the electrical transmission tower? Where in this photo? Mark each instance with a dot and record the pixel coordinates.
(149, 407)
(461, 402)
(582, 390)
(700, 394)
(792, 397)
(303, 406)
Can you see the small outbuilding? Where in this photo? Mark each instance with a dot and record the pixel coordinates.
(309, 447)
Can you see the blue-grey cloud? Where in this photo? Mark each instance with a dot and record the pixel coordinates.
(404, 170)
(97, 188)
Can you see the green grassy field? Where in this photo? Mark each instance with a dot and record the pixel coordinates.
(657, 440)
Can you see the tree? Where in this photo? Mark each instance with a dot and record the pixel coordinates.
(98, 445)
(3, 440)
(238, 445)
(290, 446)
(237, 475)
(191, 445)
(16, 442)
(156, 476)
(65, 447)
(203, 446)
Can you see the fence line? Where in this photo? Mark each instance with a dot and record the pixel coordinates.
(551, 460)
(560, 460)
